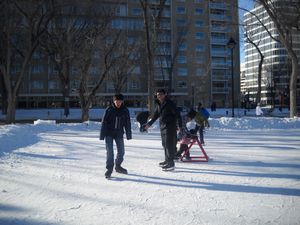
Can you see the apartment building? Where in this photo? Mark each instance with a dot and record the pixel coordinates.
(192, 60)
(276, 64)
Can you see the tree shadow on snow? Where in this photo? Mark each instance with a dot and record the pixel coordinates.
(6, 220)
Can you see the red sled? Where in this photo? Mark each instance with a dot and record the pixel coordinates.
(201, 158)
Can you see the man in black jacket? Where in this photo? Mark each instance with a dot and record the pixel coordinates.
(116, 118)
(169, 118)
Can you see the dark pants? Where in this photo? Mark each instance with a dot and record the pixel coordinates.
(110, 151)
(169, 141)
(201, 134)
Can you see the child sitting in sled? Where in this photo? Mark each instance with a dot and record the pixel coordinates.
(186, 134)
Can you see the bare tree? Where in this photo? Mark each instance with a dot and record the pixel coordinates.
(168, 57)
(286, 16)
(87, 92)
(3, 94)
(261, 61)
(127, 57)
(152, 14)
(94, 43)
(64, 37)
(23, 23)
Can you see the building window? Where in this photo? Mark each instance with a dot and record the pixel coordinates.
(121, 10)
(136, 70)
(198, 11)
(181, 22)
(181, 59)
(199, 23)
(136, 12)
(199, 72)
(166, 13)
(37, 84)
(110, 85)
(180, 10)
(199, 59)
(182, 34)
(182, 71)
(131, 40)
(16, 68)
(181, 84)
(54, 84)
(199, 35)
(133, 85)
(183, 47)
(37, 68)
(199, 48)
(118, 24)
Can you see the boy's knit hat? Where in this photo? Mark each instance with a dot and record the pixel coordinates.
(118, 96)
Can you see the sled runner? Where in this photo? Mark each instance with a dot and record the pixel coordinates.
(199, 158)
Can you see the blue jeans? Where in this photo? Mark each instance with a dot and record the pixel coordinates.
(110, 151)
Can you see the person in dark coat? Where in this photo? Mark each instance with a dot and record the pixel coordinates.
(169, 118)
(115, 119)
(142, 118)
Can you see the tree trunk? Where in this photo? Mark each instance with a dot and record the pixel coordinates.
(4, 96)
(11, 109)
(293, 86)
(258, 97)
(85, 113)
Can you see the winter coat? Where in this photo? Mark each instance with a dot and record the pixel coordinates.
(168, 114)
(258, 111)
(114, 121)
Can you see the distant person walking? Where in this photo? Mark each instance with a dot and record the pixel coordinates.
(115, 119)
(258, 110)
(169, 118)
(204, 122)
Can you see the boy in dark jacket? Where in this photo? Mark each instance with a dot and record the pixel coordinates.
(115, 119)
(169, 118)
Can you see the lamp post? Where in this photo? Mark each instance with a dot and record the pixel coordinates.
(231, 44)
(193, 94)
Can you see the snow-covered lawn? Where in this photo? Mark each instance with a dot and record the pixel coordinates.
(54, 174)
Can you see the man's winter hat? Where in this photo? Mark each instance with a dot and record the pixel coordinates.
(118, 97)
(161, 91)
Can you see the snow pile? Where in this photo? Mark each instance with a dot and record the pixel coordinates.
(254, 123)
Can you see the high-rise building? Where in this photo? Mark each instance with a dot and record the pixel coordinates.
(276, 67)
(192, 60)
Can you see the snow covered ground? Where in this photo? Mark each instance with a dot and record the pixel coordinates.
(54, 174)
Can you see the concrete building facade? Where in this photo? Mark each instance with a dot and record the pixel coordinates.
(193, 35)
(276, 64)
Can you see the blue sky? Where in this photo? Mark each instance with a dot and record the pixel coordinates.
(247, 4)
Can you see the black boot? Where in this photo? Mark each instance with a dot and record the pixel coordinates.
(108, 173)
(120, 169)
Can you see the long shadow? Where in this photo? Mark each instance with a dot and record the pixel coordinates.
(210, 186)
(11, 208)
(257, 164)
(6, 220)
(238, 174)
(16, 221)
(44, 156)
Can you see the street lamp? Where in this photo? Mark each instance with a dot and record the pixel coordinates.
(193, 94)
(231, 44)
